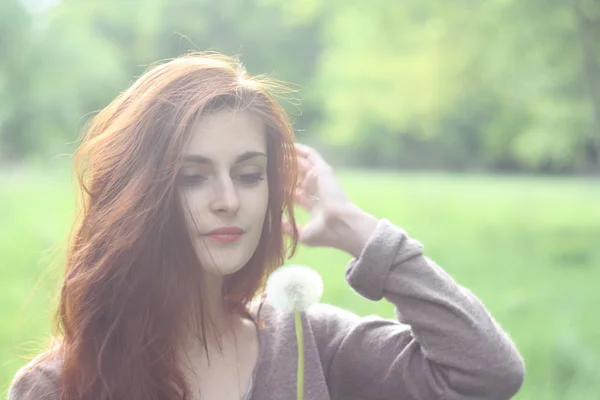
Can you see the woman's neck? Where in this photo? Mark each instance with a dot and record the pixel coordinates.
(219, 319)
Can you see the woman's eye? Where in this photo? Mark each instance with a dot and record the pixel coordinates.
(190, 180)
(251, 179)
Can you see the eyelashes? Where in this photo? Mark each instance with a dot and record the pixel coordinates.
(190, 180)
(251, 179)
(194, 180)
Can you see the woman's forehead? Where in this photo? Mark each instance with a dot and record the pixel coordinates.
(226, 134)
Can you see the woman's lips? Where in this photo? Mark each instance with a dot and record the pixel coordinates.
(225, 238)
(226, 234)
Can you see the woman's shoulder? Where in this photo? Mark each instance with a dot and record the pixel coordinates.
(37, 380)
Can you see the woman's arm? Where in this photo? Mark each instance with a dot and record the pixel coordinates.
(444, 346)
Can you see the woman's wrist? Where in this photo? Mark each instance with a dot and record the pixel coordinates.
(353, 228)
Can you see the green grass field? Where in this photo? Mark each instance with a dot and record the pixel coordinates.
(528, 247)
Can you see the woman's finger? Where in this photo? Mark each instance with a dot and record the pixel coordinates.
(308, 153)
(303, 166)
(303, 200)
(286, 226)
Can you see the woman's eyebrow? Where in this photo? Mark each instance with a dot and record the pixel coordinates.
(200, 159)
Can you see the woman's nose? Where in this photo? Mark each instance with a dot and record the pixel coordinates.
(225, 197)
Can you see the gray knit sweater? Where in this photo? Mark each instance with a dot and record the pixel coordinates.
(444, 346)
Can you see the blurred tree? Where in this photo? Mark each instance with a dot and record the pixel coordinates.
(84, 53)
(14, 82)
(588, 22)
(390, 73)
(495, 84)
(535, 65)
(500, 84)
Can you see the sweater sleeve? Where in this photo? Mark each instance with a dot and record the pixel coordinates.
(36, 381)
(444, 345)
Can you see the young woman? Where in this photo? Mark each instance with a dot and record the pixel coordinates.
(189, 179)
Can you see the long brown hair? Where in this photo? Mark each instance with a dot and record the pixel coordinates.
(133, 280)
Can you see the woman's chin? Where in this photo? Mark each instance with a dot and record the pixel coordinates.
(224, 269)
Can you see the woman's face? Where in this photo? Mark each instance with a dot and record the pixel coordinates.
(224, 183)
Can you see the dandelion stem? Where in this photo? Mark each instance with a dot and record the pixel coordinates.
(300, 340)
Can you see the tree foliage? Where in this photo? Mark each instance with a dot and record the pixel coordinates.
(417, 84)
